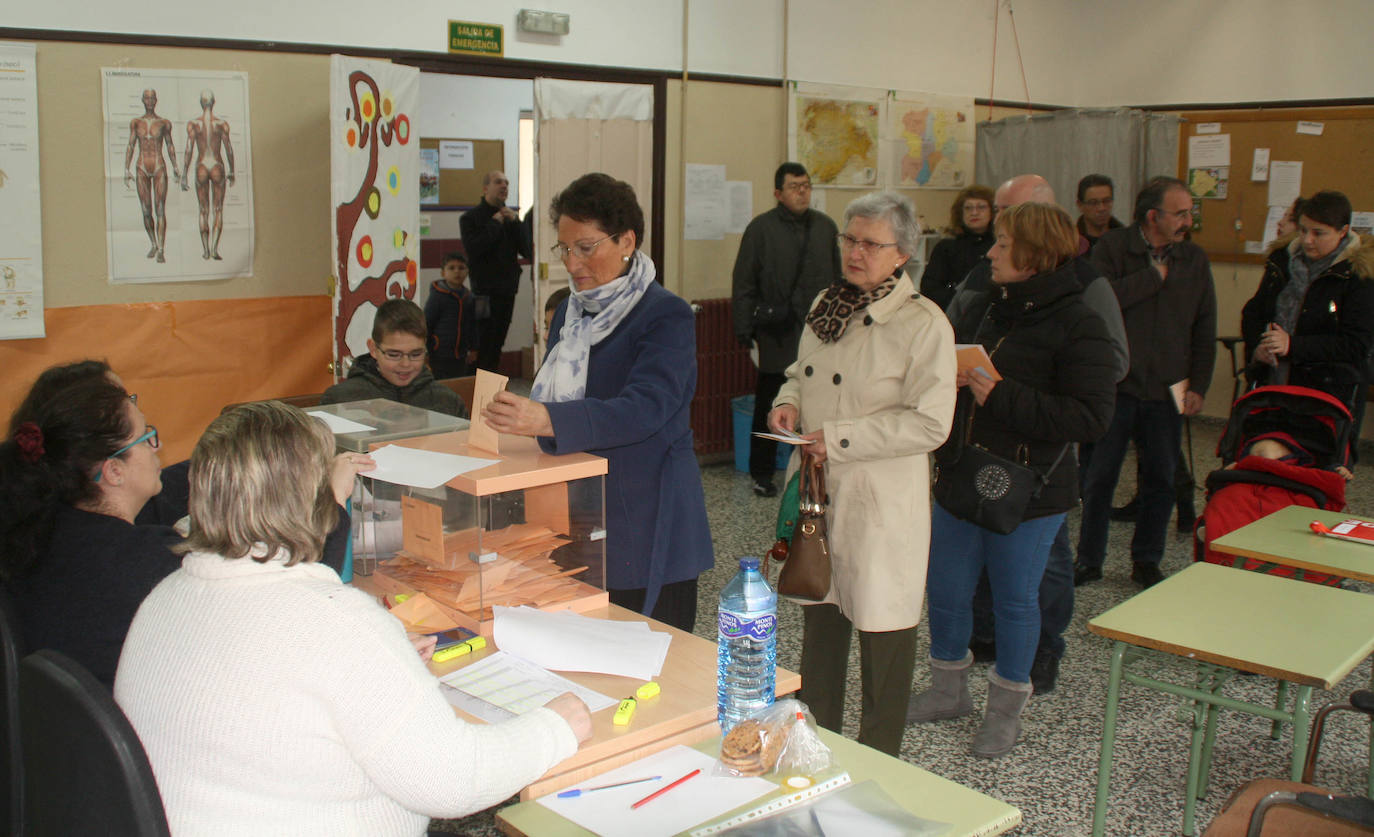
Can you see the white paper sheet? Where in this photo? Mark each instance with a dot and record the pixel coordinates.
(785, 438)
(455, 154)
(567, 641)
(1271, 224)
(499, 686)
(1285, 182)
(21, 235)
(421, 468)
(741, 194)
(704, 208)
(1209, 151)
(701, 798)
(1313, 128)
(339, 424)
(1362, 222)
(1259, 167)
(1209, 128)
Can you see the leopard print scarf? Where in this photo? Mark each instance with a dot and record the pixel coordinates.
(830, 317)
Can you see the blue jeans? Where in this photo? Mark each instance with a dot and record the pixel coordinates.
(1155, 427)
(959, 551)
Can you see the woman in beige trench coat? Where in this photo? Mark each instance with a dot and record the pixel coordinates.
(874, 389)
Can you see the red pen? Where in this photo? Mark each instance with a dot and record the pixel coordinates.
(656, 794)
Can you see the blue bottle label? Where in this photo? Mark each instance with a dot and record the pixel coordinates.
(736, 625)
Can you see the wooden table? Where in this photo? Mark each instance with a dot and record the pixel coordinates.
(1227, 620)
(918, 791)
(684, 712)
(1284, 538)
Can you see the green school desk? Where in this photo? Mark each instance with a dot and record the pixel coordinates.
(919, 791)
(1284, 538)
(1227, 620)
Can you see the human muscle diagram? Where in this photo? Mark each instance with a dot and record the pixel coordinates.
(166, 129)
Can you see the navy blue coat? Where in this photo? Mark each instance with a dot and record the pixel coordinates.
(636, 413)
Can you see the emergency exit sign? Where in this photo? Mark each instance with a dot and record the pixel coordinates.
(475, 38)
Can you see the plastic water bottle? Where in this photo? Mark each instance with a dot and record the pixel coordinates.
(747, 651)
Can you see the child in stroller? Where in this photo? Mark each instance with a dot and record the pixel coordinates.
(1282, 446)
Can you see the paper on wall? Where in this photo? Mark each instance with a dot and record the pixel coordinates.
(1259, 169)
(1271, 224)
(704, 209)
(21, 235)
(455, 154)
(1209, 151)
(1362, 222)
(741, 194)
(1209, 128)
(1285, 182)
(1313, 128)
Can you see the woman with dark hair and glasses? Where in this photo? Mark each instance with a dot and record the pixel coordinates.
(969, 235)
(74, 472)
(873, 391)
(618, 382)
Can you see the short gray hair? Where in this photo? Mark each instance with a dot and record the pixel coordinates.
(893, 208)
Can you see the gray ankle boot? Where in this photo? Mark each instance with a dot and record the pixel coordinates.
(1002, 722)
(947, 696)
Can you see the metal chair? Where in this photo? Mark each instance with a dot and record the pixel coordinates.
(1299, 808)
(85, 771)
(11, 768)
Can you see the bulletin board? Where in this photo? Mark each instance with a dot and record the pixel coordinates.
(463, 187)
(1340, 158)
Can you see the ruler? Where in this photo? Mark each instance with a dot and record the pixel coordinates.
(784, 798)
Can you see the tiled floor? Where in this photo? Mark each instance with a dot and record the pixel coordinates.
(1051, 776)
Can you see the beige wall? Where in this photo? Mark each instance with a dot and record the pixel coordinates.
(290, 135)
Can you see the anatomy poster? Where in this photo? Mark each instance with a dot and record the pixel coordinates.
(374, 166)
(178, 175)
(21, 234)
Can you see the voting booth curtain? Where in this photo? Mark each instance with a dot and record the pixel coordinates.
(1130, 146)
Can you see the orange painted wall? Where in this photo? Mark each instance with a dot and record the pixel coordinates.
(186, 360)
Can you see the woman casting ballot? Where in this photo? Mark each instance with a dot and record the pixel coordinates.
(618, 382)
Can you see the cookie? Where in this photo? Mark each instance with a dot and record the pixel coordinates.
(742, 741)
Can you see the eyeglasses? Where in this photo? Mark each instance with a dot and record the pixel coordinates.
(863, 245)
(804, 186)
(1182, 214)
(149, 436)
(133, 396)
(396, 355)
(583, 249)
(1098, 202)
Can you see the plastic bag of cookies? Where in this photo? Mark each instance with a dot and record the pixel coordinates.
(779, 739)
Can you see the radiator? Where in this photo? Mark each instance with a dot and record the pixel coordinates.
(724, 371)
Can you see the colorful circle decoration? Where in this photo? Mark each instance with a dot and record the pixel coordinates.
(412, 272)
(374, 203)
(398, 238)
(386, 106)
(393, 179)
(368, 106)
(402, 128)
(351, 137)
(365, 251)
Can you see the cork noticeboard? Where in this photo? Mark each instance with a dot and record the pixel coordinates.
(463, 187)
(1340, 158)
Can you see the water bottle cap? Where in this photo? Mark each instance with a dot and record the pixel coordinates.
(748, 563)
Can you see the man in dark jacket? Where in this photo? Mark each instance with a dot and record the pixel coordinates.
(1164, 285)
(1096, 196)
(787, 256)
(494, 243)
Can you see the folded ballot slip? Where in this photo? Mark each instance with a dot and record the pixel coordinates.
(787, 437)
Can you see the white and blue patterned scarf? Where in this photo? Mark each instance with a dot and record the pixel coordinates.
(563, 377)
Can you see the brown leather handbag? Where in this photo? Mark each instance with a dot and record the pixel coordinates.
(806, 571)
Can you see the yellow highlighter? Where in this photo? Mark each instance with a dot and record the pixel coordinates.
(647, 691)
(452, 652)
(624, 712)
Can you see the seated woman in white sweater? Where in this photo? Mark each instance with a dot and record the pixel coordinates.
(270, 697)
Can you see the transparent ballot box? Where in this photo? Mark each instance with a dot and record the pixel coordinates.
(528, 530)
(384, 421)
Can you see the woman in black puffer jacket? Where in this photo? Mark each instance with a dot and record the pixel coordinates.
(1057, 387)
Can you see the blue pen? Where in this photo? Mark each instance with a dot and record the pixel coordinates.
(568, 794)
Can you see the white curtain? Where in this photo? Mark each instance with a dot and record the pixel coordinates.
(1129, 146)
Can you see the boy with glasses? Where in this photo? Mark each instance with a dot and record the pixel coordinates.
(394, 367)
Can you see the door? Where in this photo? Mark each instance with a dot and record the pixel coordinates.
(581, 127)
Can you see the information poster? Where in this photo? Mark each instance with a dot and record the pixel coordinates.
(21, 235)
(178, 175)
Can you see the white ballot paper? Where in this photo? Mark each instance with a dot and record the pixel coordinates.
(339, 424)
(421, 468)
(567, 641)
